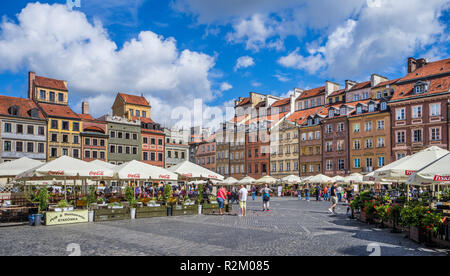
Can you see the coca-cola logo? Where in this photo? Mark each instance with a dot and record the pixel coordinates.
(164, 176)
(442, 178)
(187, 174)
(212, 176)
(56, 172)
(409, 172)
(100, 173)
(136, 175)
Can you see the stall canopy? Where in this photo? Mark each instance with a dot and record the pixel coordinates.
(266, 180)
(338, 178)
(230, 181)
(135, 170)
(354, 178)
(65, 167)
(16, 167)
(104, 164)
(437, 172)
(193, 171)
(246, 180)
(402, 169)
(291, 179)
(320, 179)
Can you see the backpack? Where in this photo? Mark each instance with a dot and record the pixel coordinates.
(266, 196)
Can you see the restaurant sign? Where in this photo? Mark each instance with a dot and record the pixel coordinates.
(58, 218)
(442, 178)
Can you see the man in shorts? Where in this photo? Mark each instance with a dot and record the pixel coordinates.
(243, 192)
(221, 197)
(266, 197)
(333, 198)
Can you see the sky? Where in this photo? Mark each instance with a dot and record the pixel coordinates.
(193, 58)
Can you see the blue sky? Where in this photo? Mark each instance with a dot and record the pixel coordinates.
(174, 52)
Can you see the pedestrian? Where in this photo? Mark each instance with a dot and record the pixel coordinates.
(253, 192)
(339, 193)
(266, 197)
(307, 193)
(325, 193)
(334, 199)
(317, 192)
(243, 192)
(299, 191)
(221, 197)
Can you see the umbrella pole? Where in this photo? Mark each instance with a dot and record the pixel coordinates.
(65, 188)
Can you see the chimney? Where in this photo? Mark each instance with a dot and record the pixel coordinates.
(421, 62)
(330, 87)
(31, 78)
(84, 108)
(349, 84)
(412, 65)
(377, 79)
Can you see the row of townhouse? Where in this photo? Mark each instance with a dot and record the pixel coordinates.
(44, 127)
(335, 131)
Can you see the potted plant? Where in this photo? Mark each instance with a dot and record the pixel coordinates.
(91, 201)
(168, 199)
(41, 198)
(129, 197)
(394, 216)
(64, 206)
(199, 198)
(382, 214)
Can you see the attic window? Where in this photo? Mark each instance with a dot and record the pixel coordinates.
(420, 87)
(34, 113)
(371, 108)
(359, 110)
(14, 110)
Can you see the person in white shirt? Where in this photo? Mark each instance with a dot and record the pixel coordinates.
(243, 192)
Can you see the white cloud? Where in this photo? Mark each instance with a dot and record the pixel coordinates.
(63, 44)
(256, 84)
(294, 60)
(225, 87)
(282, 77)
(244, 62)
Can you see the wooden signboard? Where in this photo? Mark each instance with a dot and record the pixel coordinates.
(58, 218)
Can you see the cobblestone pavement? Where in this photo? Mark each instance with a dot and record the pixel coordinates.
(292, 227)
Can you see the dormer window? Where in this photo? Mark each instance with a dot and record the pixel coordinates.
(383, 106)
(343, 111)
(359, 110)
(14, 110)
(34, 113)
(316, 121)
(310, 122)
(371, 108)
(420, 87)
(331, 113)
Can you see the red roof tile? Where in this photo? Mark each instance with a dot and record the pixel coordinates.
(300, 116)
(244, 101)
(24, 105)
(361, 85)
(432, 68)
(336, 93)
(133, 99)
(54, 110)
(312, 93)
(391, 82)
(50, 83)
(282, 102)
(86, 117)
(143, 120)
(437, 85)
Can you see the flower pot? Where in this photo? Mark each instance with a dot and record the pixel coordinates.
(414, 233)
(133, 213)
(37, 220)
(91, 216)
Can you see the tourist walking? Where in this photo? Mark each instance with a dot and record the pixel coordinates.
(221, 197)
(299, 191)
(253, 192)
(334, 199)
(307, 193)
(325, 193)
(339, 193)
(317, 192)
(266, 197)
(243, 192)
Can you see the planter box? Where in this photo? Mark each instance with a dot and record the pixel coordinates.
(415, 234)
(210, 209)
(58, 218)
(151, 212)
(111, 214)
(185, 210)
(363, 216)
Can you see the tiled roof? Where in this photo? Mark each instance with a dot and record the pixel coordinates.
(391, 82)
(361, 85)
(239, 119)
(24, 105)
(437, 85)
(282, 102)
(143, 120)
(312, 93)
(50, 83)
(86, 117)
(94, 129)
(54, 110)
(244, 102)
(432, 68)
(336, 93)
(300, 116)
(133, 99)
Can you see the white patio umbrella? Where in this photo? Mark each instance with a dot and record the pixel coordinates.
(103, 163)
(246, 180)
(402, 169)
(16, 167)
(320, 179)
(369, 177)
(135, 170)
(266, 180)
(354, 178)
(291, 179)
(338, 178)
(190, 170)
(64, 167)
(437, 172)
(230, 181)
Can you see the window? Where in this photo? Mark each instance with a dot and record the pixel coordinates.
(60, 97)
(127, 136)
(356, 145)
(94, 142)
(19, 129)
(381, 161)
(359, 110)
(153, 142)
(356, 128)
(76, 126)
(369, 164)
(30, 147)
(65, 152)
(400, 114)
(435, 134)
(54, 137)
(331, 113)
(417, 135)
(119, 149)
(131, 112)
(65, 138)
(145, 140)
(138, 113)
(144, 114)
(380, 142)
(329, 146)
(365, 95)
(87, 141)
(317, 135)
(53, 152)
(401, 137)
(288, 166)
(383, 106)
(274, 167)
(153, 157)
(371, 108)
(127, 150)
(435, 109)
(54, 124)
(102, 155)
(19, 146)
(380, 125)
(145, 156)
(112, 134)
(357, 163)
(341, 127)
(52, 96)
(30, 130)
(329, 165)
(329, 128)
(341, 164)
(356, 97)
(369, 144)
(368, 126)
(417, 112)
(41, 148)
(7, 146)
(134, 150)
(76, 153)
(160, 142)
(8, 128)
(112, 149)
(76, 139)
(119, 135)
(160, 158)
(87, 154)
(42, 94)
(41, 131)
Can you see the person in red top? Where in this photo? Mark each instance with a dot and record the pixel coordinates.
(221, 197)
